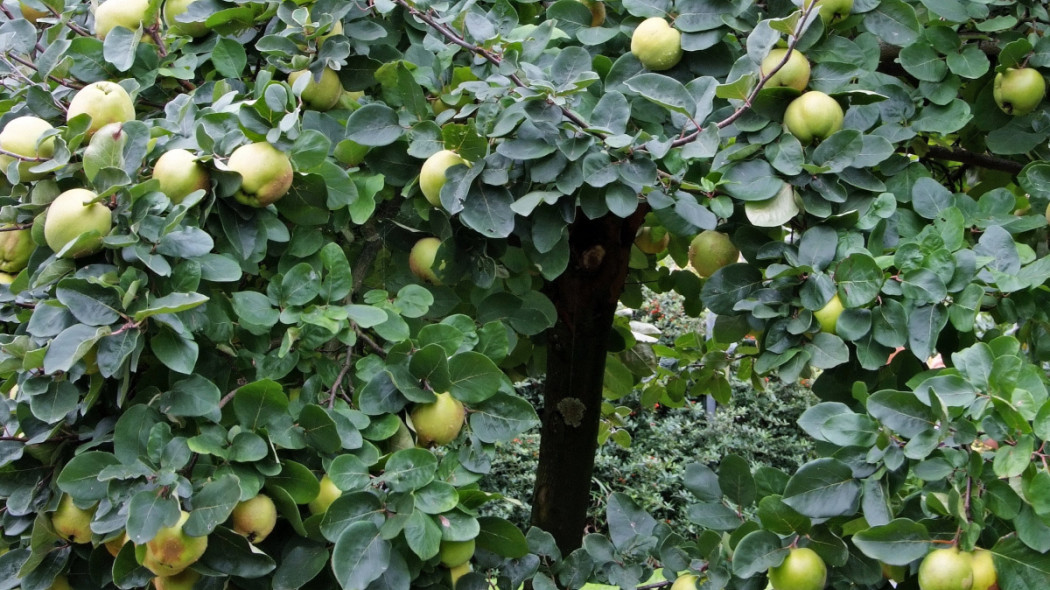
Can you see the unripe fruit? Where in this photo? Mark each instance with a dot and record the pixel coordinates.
(328, 494)
(984, 574)
(656, 44)
(458, 572)
(71, 523)
(432, 174)
(266, 173)
(685, 582)
(129, 14)
(322, 94)
(114, 545)
(710, 251)
(802, 569)
(945, 569)
(421, 260)
(185, 580)
(1018, 91)
(171, 551)
(105, 102)
(647, 241)
(179, 174)
(833, 11)
(60, 583)
(814, 115)
(438, 422)
(454, 553)
(828, 316)
(16, 246)
(172, 10)
(73, 214)
(255, 518)
(794, 73)
(20, 136)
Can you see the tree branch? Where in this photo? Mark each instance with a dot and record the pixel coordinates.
(971, 158)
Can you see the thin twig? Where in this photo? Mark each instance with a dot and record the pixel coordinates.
(368, 340)
(17, 226)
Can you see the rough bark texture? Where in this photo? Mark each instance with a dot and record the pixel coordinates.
(585, 297)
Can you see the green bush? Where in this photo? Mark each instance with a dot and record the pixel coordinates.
(758, 425)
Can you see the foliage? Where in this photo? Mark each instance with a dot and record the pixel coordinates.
(212, 349)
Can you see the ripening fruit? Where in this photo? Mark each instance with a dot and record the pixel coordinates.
(828, 316)
(432, 174)
(421, 260)
(458, 572)
(106, 102)
(438, 422)
(802, 569)
(454, 553)
(266, 173)
(710, 251)
(16, 246)
(325, 497)
(657, 44)
(652, 240)
(255, 518)
(685, 582)
(179, 174)
(1018, 91)
(185, 580)
(946, 569)
(71, 523)
(984, 574)
(833, 11)
(814, 115)
(20, 136)
(794, 73)
(72, 214)
(171, 551)
(172, 10)
(129, 14)
(320, 94)
(114, 545)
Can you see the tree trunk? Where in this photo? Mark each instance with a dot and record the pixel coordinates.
(585, 296)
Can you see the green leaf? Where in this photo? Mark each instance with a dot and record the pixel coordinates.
(899, 542)
(893, 21)
(1018, 566)
(229, 57)
(757, 552)
(735, 480)
(195, 396)
(823, 488)
(423, 535)
(702, 482)
(780, 518)
(90, 303)
(301, 561)
(172, 303)
(501, 537)
(664, 91)
(502, 417)
(148, 512)
(232, 554)
(320, 429)
(374, 125)
(212, 505)
(260, 404)
(360, 555)
(79, 478)
(474, 377)
(410, 469)
(901, 412)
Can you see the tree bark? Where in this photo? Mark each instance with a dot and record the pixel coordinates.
(585, 296)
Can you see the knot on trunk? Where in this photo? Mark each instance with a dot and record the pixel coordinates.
(572, 410)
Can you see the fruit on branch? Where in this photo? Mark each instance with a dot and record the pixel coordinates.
(814, 115)
(455, 553)
(60, 582)
(828, 316)
(794, 73)
(984, 575)
(1018, 91)
(946, 569)
(710, 250)
(129, 14)
(458, 572)
(325, 497)
(438, 422)
(106, 102)
(421, 260)
(657, 44)
(179, 174)
(255, 518)
(185, 580)
(597, 8)
(802, 569)
(6, 278)
(266, 173)
(833, 11)
(685, 582)
(72, 523)
(171, 551)
(172, 10)
(652, 240)
(21, 136)
(114, 545)
(432, 174)
(16, 246)
(73, 214)
(319, 94)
